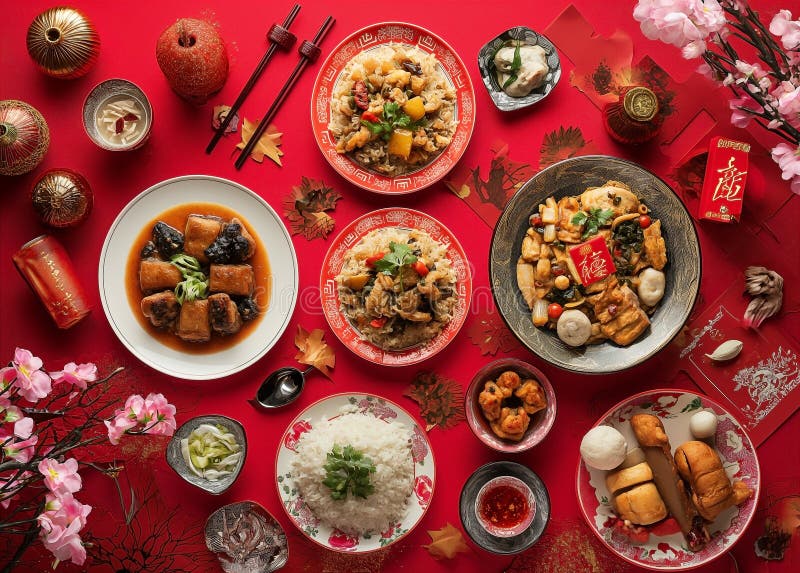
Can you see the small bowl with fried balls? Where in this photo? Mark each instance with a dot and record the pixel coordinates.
(510, 405)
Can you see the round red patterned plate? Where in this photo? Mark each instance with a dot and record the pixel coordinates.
(665, 549)
(300, 513)
(332, 264)
(454, 71)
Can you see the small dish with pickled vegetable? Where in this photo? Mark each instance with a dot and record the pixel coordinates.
(208, 452)
(519, 67)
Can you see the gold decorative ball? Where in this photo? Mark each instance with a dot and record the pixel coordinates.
(62, 198)
(63, 42)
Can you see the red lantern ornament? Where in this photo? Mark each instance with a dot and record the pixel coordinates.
(24, 137)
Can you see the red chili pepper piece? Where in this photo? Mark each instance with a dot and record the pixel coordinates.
(377, 322)
(371, 117)
(370, 262)
(119, 125)
(361, 94)
(420, 268)
(130, 117)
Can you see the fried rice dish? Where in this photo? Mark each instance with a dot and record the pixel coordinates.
(396, 287)
(393, 110)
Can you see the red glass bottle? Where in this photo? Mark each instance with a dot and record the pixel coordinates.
(635, 117)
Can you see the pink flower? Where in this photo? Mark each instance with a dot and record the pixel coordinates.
(162, 415)
(61, 478)
(76, 374)
(21, 450)
(788, 159)
(118, 426)
(682, 23)
(61, 523)
(742, 115)
(33, 384)
(23, 428)
(789, 106)
(789, 30)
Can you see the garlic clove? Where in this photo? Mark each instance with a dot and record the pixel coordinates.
(728, 350)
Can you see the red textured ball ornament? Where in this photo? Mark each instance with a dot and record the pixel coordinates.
(193, 57)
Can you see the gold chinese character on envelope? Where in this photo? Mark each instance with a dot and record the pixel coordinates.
(592, 260)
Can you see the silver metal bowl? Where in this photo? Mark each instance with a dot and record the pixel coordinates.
(103, 92)
(270, 554)
(177, 463)
(526, 36)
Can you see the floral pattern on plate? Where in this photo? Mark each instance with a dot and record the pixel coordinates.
(332, 266)
(449, 63)
(666, 550)
(302, 516)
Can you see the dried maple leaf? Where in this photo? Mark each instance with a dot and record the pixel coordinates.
(446, 543)
(490, 334)
(305, 208)
(560, 144)
(439, 398)
(313, 350)
(267, 145)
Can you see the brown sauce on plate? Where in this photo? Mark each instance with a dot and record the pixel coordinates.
(176, 217)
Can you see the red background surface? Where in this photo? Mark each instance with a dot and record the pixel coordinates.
(128, 34)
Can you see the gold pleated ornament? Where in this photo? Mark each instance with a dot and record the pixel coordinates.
(24, 137)
(62, 198)
(63, 42)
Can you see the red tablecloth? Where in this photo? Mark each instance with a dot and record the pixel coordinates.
(128, 35)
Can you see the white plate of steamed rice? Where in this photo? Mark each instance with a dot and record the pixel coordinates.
(385, 437)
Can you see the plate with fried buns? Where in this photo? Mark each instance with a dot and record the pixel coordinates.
(676, 501)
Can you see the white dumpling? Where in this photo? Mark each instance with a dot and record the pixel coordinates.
(532, 72)
(651, 286)
(573, 327)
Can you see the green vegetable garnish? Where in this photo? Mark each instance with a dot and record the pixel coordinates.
(592, 221)
(347, 471)
(399, 254)
(195, 283)
(392, 118)
(516, 65)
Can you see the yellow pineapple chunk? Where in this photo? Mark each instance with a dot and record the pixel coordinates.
(415, 108)
(400, 143)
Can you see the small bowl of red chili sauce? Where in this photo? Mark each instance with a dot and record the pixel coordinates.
(505, 506)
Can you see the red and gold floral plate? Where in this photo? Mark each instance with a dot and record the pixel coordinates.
(665, 549)
(332, 266)
(454, 71)
(302, 516)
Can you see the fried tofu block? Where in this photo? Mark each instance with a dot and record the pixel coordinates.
(161, 308)
(232, 279)
(201, 231)
(225, 317)
(621, 318)
(155, 275)
(654, 246)
(194, 324)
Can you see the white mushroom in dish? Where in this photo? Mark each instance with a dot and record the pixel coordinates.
(574, 327)
(651, 286)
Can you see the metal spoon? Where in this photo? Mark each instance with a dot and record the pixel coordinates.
(280, 388)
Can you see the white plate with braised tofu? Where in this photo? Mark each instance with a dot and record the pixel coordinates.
(668, 480)
(198, 277)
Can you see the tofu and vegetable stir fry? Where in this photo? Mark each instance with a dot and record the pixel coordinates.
(617, 307)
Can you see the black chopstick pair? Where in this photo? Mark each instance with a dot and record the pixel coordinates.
(279, 36)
